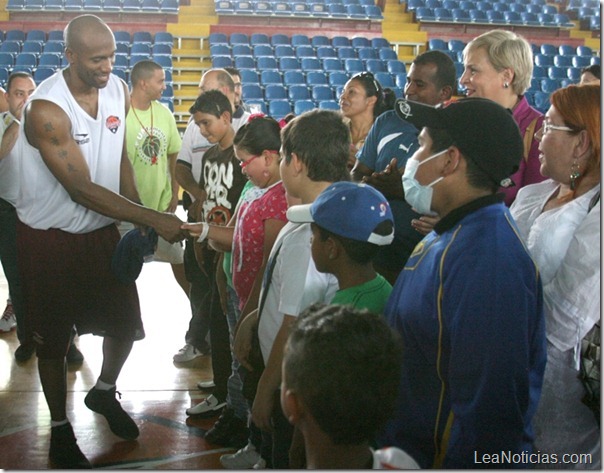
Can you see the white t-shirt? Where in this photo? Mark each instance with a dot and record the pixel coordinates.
(9, 166)
(393, 458)
(43, 202)
(194, 145)
(295, 284)
(565, 244)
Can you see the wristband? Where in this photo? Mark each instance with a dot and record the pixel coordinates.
(10, 118)
(205, 229)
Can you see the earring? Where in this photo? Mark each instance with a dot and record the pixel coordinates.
(506, 85)
(574, 174)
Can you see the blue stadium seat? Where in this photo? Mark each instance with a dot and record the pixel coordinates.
(326, 51)
(301, 106)
(329, 105)
(400, 80)
(539, 72)
(54, 5)
(563, 61)
(583, 50)
(42, 73)
(541, 100)
(338, 78)
(495, 17)
(13, 47)
(354, 65)
(355, 11)
(549, 49)
(289, 64)
(438, 44)
(282, 9)
(316, 78)
(566, 50)
(224, 7)
(129, 6)
(121, 62)
(512, 17)
(279, 108)
(337, 10)
(243, 7)
(274, 91)
(305, 50)
(456, 45)
(347, 52)
(252, 91)
(386, 54)
(142, 37)
(263, 50)
(331, 64)
(574, 73)
(282, 50)
(395, 66)
(595, 60)
(54, 47)
(322, 92)
(311, 64)
(557, 73)
(7, 60)
(443, 15)
(300, 40)
(150, 6)
(110, 5)
(220, 50)
(245, 62)
(414, 4)
(375, 65)
(543, 60)
(35, 47)
(50, 60)
(424, 14)
(546, 19)
(320, 40)
(529, 18)
(218, 38)
(141, 48)
(373, 12)
(28, 60)
(15, 5)
(262, 8)
(293, 77)
(163, 37)
(266, 63)
(279, 38)
(385, 79)
(549, 85)
(222, 61)
(367, 53)
(249, 76)
(581, 61)
(260, 39)
(340, 41)
(15, 35)
(478, 16)
(319, 10)
(298, 92)
(270, 77)
(241, 50)
(460, 15)
(300, 9)
(239, 38)
(134, 58)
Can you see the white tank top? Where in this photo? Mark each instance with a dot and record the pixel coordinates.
(43, 202)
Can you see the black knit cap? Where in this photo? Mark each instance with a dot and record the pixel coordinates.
(483, 130)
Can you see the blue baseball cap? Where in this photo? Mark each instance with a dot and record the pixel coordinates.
(348, 209)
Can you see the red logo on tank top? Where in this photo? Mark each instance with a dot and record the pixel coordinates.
(113, 123)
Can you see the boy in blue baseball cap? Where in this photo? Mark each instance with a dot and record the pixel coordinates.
(349, 222)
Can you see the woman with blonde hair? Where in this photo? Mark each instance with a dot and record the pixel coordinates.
(559, 219)
(498, 65)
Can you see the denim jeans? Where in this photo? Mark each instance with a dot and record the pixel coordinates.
(235, 398)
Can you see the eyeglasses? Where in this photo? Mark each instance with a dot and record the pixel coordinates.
(548, 126)
(244, 164)
(371, 77)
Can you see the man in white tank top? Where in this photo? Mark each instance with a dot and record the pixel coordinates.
(75, 182)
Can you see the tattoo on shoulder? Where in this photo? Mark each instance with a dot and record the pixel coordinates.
(54, 141)
(71, 168)
(62, 154)
(48, 127)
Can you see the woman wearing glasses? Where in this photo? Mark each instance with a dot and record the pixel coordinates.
(559, 219)
(498, 65)
(363, 99)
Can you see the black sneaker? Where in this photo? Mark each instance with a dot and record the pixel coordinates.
(25, 351)
(105, 403)
(227, 428)
(64, 451)
(74, 355)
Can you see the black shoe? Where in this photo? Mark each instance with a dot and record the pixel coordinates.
(25, 351)
(105, 403)
(64, 451)
(74, 355)
(227, 428)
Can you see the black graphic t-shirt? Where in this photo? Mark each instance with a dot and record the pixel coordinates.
(223, 181)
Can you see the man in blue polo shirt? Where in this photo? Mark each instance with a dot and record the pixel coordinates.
(468, 303)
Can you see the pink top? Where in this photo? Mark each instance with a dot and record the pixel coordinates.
(258, 206)
(529, 168)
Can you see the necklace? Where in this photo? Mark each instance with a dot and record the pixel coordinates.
(153, 146)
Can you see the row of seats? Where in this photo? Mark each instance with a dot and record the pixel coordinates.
(121, 36)
(299, 9)
(321, 52)
(492, 17)
(311, 78)
(91, 6)
(40, 47)
(297, 40)
(483, 5)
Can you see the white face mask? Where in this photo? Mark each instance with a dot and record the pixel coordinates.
(418, 196)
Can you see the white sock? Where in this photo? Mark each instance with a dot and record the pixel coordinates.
(58, 423)
(100, 385)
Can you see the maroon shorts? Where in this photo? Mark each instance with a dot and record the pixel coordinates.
(67, 280)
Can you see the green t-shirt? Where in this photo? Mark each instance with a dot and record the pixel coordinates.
(228, 255)
(371, 295)
(148, 149)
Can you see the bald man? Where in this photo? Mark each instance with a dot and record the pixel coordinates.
(76, 182)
